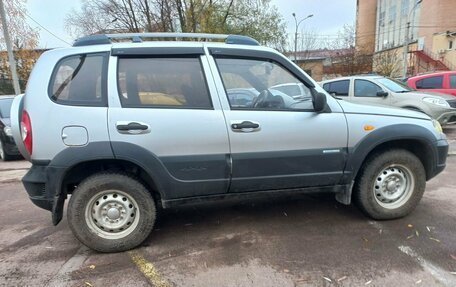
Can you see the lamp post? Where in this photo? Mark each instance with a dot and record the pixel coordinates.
(407, 40)
(296, 34)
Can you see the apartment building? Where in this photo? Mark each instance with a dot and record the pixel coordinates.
(381, 29)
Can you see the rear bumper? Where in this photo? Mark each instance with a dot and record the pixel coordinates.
(42, 184)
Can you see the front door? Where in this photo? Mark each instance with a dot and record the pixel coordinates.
(277, 141)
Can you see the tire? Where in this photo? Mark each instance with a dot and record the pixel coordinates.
(3, 155)
(111, 212)
(390, 184)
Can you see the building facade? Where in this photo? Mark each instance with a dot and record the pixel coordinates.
(381, 29)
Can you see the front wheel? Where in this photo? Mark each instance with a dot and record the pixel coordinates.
(390, 184)
(111, 212)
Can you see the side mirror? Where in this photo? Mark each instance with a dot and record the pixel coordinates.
(319, 102)
(382, 94)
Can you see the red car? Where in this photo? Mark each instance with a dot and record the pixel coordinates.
(442, 82)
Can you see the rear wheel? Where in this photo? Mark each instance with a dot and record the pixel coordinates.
(390, 184)
(111, 212)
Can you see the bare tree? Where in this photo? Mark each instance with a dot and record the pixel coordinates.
(346, 58)
(387, 63)
(256, 18)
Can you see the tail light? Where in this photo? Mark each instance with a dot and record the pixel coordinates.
(26, 131)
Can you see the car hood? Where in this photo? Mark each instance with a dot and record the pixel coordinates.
(380, 110)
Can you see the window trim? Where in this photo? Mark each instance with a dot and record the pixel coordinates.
(312, 90)
(354, 89)
(171, 56)
(104, 81)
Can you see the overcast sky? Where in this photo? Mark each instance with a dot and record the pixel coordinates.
(329, 16)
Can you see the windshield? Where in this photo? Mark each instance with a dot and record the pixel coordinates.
(5, 107)
(394, 86)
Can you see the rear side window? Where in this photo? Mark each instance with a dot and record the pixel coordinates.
(453, 81)
(430, 83)
(162, 82)
(80, 80)
(339, 88)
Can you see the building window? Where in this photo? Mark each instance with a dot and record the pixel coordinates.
(381, 19)
(392, 15)
(405, 7)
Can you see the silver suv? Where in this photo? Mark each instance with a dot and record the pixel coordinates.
(378, 90)
(126, 128)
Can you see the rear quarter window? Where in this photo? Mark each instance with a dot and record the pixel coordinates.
(80, 80)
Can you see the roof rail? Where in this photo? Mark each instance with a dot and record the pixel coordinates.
(100, 39)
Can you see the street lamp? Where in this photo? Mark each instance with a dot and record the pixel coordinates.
(406, 39)
(296, 34)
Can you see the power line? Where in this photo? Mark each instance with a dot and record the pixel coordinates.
(36, 22)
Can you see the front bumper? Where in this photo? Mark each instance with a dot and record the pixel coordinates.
(442, 153)
(43, 185)
(9, 146)
(447, 116)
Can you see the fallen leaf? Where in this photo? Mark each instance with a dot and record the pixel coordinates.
(285, 214)
(409, 226)
(452, 256)
(368, 282)
(428, 229)
(92, 266)
(419, 281)
(327, 279)
(454, 273)
(286, 270)
(88, 284)
(417, 233)
(436, 240)
(380, 231)
(410, 236)
(342, 278)
(365, 239)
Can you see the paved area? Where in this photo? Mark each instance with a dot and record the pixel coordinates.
(300, 241)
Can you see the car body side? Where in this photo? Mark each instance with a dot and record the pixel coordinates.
(205, 172)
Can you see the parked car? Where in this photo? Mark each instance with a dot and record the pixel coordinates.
(8, 148)
(378, 90)
(442, 82)
(94, 129)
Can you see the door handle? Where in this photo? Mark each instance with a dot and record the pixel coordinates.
(245, 126)
(132, 127)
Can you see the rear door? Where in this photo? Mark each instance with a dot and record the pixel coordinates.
(163, 117)
(277, 142)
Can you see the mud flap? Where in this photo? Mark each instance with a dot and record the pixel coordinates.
(344, 196)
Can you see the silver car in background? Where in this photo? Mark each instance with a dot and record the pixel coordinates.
(377, 90)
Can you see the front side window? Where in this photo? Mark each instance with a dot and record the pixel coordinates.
(338, 88)
(364, 88)
(79, 80)
(262, 84)
(162, 82)
(430, 83)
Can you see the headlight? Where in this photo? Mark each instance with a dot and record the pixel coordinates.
(437, 101)
(437, 126)
(8, 131)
